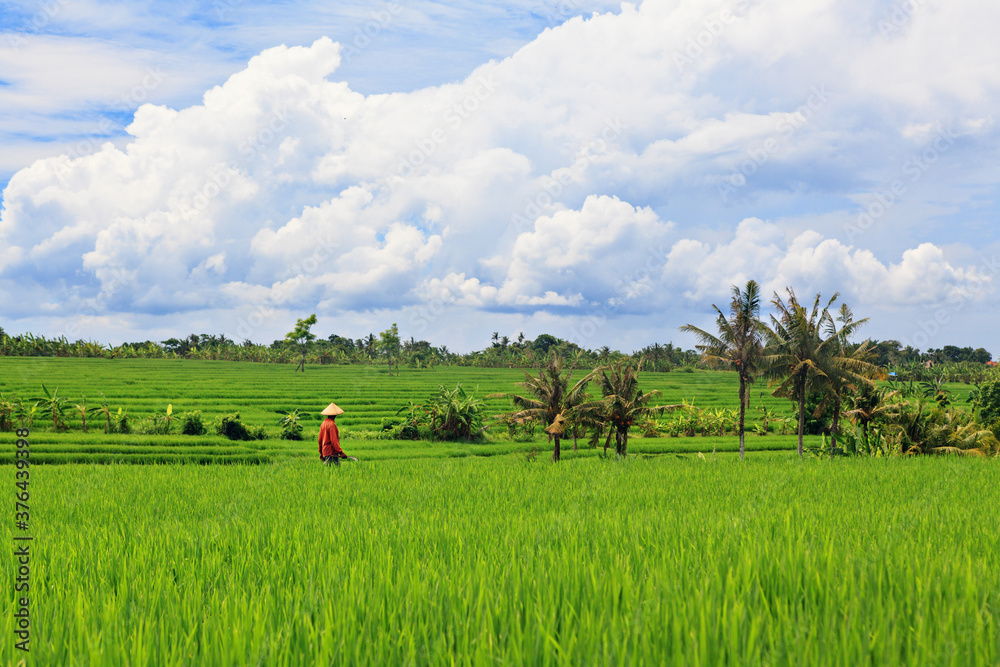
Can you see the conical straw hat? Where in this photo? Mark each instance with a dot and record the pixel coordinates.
(332, 410)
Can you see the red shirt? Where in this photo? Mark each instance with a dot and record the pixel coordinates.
(329, 439)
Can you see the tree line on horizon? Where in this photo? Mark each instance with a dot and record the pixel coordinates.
(501, 352)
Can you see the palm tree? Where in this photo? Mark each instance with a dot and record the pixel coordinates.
(370, 343)
(797, 353)
(739, 344)
(624, 403)
(550, 395)
(870, 404)
(847, 368)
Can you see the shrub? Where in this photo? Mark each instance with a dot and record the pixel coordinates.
(988, 403)
(400, 429)
(191, 424)
(232, 427)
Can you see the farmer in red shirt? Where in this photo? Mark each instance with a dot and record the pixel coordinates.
(329, 437)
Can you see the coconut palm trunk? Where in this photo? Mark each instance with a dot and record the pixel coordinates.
(835, 427)
(555, 450)
(802, 414)
(743, 410)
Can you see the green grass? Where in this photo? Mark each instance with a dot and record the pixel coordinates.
(774, 561)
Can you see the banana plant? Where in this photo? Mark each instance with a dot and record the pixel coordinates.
(54, 405)
(8, 406)
(83, 410)
(291, 426)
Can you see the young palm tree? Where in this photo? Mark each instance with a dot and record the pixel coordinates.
(550, 395)
(624, 403)
(739, 344)
(796, 353)
(870, 404)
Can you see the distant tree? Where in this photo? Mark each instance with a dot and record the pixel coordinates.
(418, 353)
(389, 346)
(340, 343)
(302, 337)
(370, 346)
(543, 343)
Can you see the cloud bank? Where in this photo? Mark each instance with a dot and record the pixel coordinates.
(629, 166)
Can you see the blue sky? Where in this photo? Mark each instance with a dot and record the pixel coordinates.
(599, 171)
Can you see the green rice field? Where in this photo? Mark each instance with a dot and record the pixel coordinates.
(434, 553)
(694, 561)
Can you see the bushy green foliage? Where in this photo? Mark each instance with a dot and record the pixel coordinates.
(454, 415)
(8, 404)
(192, 424)
(121, 423)
(988, 403)
(291, 425)
(400, 429)
(158, 424)
(232, 427)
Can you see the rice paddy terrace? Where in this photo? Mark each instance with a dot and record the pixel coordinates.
(259, 392)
